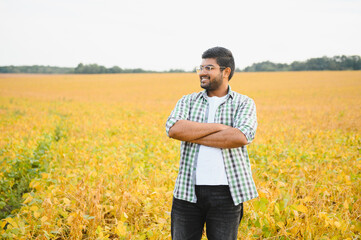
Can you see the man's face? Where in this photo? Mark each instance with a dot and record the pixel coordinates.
(210, 79)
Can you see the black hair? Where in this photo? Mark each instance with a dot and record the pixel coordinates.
(223, 57)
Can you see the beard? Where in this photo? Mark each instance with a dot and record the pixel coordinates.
(212, 84)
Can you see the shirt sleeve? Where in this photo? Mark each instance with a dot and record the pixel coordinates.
(180, 112)
(246, 119)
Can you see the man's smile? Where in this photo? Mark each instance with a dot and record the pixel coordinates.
(203, 79)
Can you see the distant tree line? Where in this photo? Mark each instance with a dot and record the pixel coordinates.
(314, 64)
(80, 69)
(337, 63)
(95, 68)
(36, 69)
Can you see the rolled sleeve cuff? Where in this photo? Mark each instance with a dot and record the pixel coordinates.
(248, 133)
(170, 122)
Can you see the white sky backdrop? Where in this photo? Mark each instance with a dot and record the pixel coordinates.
(164, 34)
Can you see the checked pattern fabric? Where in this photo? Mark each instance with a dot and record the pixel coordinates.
(238, 111)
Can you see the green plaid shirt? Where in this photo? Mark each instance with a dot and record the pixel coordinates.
(238, 111)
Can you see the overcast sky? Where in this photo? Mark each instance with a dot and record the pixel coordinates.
(164, 34)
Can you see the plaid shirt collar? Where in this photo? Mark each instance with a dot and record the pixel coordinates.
(230, 94)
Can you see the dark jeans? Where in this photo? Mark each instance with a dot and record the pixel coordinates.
(214, 207)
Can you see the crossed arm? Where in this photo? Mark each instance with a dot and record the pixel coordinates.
(208, 134)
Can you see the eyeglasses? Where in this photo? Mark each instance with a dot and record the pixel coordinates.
(207, 68)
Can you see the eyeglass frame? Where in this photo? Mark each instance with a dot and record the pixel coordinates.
(201, 68)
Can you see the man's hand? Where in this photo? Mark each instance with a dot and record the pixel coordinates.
(208, 134)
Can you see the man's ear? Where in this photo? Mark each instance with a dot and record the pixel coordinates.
(227, 72)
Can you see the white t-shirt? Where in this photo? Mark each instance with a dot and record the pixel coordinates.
(210, 167)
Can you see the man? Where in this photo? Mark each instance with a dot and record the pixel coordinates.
(215, 175)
